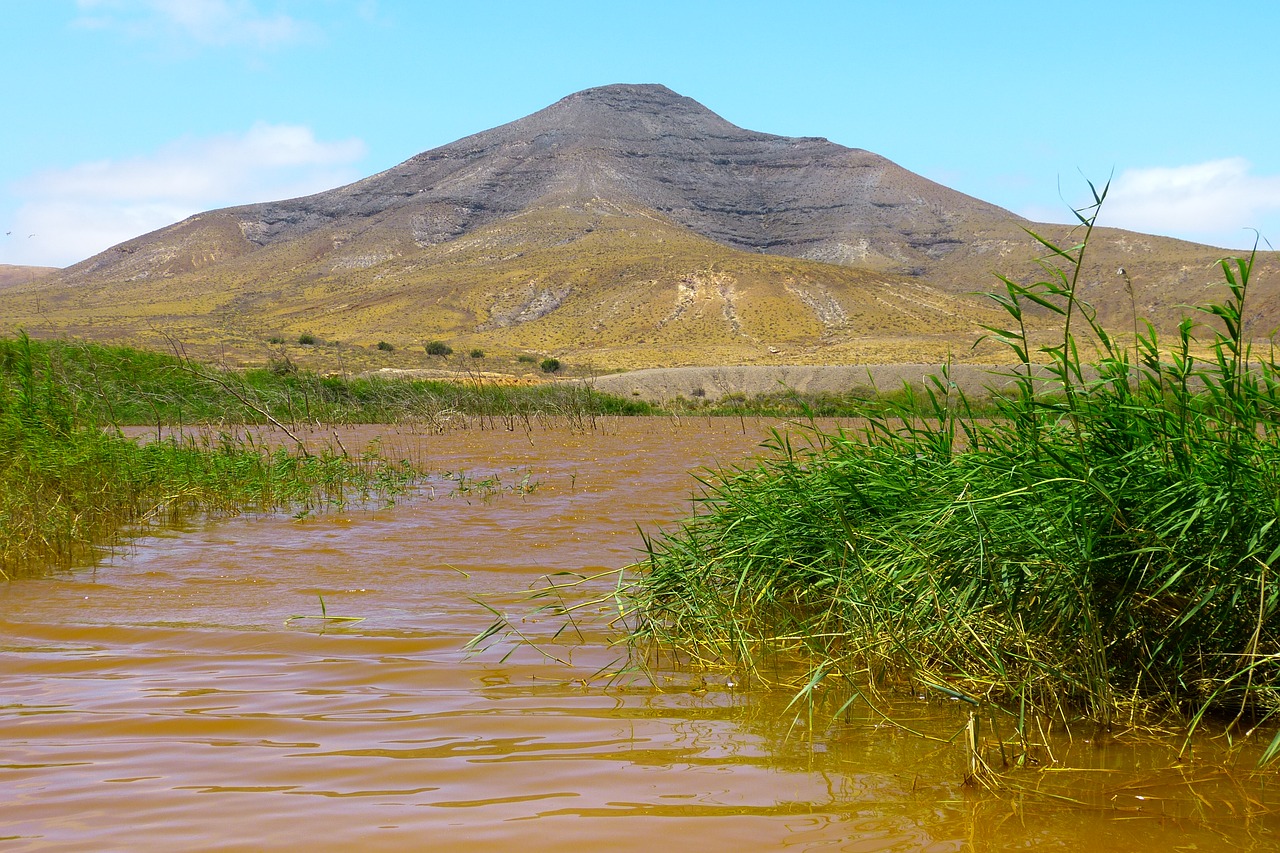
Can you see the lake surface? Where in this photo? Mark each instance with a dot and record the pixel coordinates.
(163, 699)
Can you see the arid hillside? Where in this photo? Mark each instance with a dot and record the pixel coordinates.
(623, 226)
(14, 276)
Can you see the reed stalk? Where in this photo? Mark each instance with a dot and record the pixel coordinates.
(1104, 546)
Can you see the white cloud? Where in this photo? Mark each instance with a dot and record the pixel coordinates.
(1219, 197)
(79, 211)
(211, 22)
(1217, 202)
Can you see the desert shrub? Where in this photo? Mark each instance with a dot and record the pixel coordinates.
(550, 365)
(282, 366)
(439, 348)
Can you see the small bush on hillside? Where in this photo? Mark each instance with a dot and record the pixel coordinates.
(550, 365)
(307, 339)
(385, 347)
(282, 367)
(439, 348)
(477, 353)
(526, 359)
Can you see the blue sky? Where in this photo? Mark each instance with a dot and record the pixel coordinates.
(121, 116)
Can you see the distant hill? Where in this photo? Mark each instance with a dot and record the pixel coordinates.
(624, 226)
(12, 276)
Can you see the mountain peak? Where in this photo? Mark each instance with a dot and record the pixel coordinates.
(651, 98)
(623, 113)
(626, 92)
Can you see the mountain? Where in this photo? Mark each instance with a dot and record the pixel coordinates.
(624, 225)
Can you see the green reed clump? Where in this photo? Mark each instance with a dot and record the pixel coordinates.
(68, 485)
(1106, 544)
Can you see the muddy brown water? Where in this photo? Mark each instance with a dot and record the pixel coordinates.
(162, 699)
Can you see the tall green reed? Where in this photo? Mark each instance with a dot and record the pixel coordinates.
(1104, 546)
(70, 482)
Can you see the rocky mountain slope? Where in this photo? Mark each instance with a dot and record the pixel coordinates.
(624, 225)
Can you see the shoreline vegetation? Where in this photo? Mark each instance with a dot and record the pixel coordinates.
(1091, 549)
(71, 482)
(1100, 550)
(130, 387)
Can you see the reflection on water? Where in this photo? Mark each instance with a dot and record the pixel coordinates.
(159, 700)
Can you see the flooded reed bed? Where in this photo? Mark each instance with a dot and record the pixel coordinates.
(165, 698)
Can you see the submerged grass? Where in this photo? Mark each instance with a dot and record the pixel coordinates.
(69, 481)
(1104, 547)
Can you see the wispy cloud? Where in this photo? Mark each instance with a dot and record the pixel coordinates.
(209, 22)
(1217, 202)
(81, 210)
(1220, 197)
